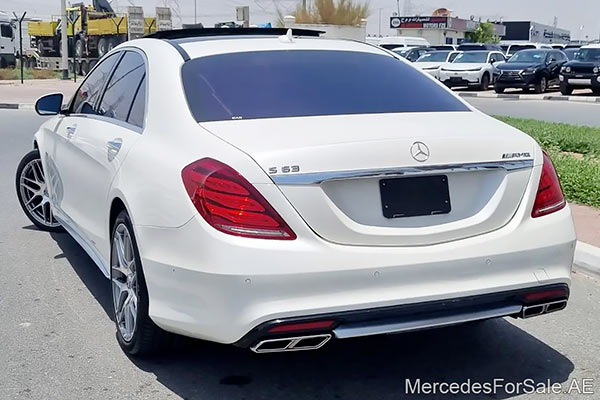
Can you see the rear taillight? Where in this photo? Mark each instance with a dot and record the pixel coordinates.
(229, 203)
(549, 196)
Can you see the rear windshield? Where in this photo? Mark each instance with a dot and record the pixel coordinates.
(274, 84)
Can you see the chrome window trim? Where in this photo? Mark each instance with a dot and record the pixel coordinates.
(317, 178)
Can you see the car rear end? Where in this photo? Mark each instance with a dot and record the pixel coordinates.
(364, 208)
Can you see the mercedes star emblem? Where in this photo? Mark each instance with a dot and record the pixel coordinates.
(419, 151)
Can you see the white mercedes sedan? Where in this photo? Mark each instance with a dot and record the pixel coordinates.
(276, 190)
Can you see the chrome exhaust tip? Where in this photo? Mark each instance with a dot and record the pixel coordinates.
(545, 308)
(298, 343)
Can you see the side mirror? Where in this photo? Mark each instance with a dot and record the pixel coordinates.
(50, 104)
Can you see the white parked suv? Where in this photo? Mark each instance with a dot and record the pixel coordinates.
(234, 188)
(472, 69)
(432, 61)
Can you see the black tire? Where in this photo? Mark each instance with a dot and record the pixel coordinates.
(110, 44)
(79, 49)
(102, 47)
(84, 67)
(147, 338)
(498, 89)
(596, 91)
(485, 82)
(566, 89)
(3, 63)
(25, 161)
(542, 85)
(92, 64)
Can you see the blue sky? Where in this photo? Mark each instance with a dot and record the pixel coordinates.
(571, 14)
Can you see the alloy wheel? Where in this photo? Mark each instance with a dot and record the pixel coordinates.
(34, 193)
(124, 282)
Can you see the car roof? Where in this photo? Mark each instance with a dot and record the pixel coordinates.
(191, 49)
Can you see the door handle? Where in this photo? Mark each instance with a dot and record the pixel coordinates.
(71, 131)
(113, 147)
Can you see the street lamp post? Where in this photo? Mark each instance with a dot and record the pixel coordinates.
(195, 9)
(63, 37)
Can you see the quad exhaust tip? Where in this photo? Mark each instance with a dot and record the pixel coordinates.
(545, 308)
(298, 343)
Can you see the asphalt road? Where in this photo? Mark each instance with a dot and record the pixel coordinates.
(57, 338)
(554, 110)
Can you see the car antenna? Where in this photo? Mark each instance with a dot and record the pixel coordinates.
(287, 38)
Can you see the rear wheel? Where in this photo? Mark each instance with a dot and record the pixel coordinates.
(33, 194)
(84, 67)
(542, 85)
(110, 44)
(102, 47)
(566, 89)
(79, 48)
(136, 333)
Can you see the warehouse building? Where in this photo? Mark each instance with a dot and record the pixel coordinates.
(529, 31)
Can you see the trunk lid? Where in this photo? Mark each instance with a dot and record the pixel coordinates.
(330, 168)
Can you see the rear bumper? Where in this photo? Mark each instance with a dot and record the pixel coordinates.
(212, 286)
(411, 317)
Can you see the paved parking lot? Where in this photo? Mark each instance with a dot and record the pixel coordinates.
(58, 338)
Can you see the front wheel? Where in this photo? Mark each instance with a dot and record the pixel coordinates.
(542, 85)
(566, 89)
(596, 90)
(498, 89)
(136, 333)
(33, 194)
(485, 82)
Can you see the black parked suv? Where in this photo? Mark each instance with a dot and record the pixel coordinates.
(535, 68)
(583, 72)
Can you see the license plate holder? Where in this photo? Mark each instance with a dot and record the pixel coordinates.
(415, 196)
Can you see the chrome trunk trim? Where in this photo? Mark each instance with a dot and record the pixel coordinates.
(315, 178)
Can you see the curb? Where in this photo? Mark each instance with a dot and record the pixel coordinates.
(587, 258)
(16, 106)
(577, 99)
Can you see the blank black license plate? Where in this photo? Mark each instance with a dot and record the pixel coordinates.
(415, 196)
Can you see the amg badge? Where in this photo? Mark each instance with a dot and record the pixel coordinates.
(516, 155)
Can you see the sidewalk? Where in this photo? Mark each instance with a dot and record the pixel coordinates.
(13, 93)
(580, 97)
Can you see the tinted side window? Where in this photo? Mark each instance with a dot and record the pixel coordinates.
(122, 87)
(138, 108)
(88, 92)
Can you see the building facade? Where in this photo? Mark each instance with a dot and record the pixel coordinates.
(529, 31)
(438, 30)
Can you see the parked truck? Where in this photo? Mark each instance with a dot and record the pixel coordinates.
(92, 31)
(7, 41)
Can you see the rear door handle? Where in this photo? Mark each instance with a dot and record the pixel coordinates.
(113, 147)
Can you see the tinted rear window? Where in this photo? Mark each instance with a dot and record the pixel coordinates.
(274, 84)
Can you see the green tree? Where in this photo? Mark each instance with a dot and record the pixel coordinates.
(485, 33)
(340, 12)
